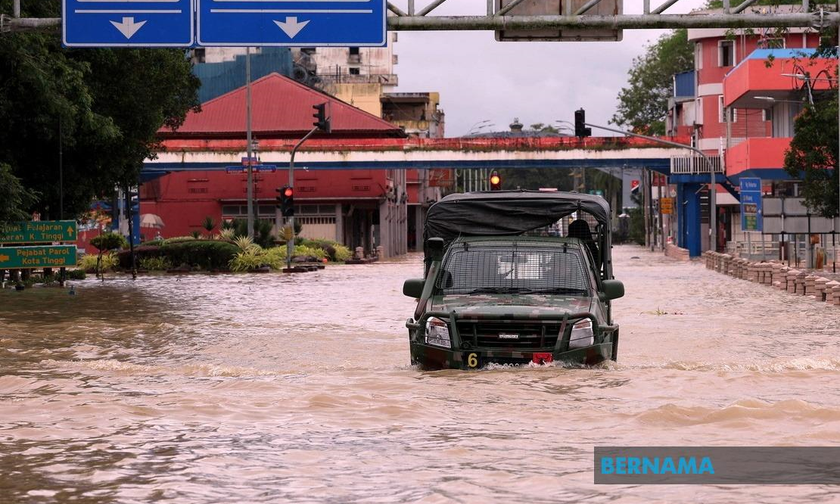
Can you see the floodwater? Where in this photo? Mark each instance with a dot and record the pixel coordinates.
(264, 388)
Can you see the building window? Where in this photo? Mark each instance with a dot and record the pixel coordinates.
(726, 53)
(733, 113)
(199, 55)
(698, 56)
(354, 71)
(354, 51)
(766, 114)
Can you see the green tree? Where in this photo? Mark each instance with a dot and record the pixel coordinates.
(642, 105)
(101, 108)
(812, 156)
(13, 197)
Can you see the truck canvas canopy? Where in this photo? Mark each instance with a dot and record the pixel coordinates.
(511, 213)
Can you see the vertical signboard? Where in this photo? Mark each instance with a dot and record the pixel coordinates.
(751, 218)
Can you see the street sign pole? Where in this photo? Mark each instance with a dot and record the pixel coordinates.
(250, 190)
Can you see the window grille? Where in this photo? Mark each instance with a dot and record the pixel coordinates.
(474, 268)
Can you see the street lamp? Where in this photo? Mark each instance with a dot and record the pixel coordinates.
(470, 131)
(772, 100)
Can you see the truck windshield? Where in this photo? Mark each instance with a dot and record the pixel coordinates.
(513, 269)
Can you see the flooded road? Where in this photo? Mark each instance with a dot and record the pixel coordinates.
(264, 388)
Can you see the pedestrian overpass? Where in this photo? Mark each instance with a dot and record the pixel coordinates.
(624, 157)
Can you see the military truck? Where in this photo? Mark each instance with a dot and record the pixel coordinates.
(514, 277)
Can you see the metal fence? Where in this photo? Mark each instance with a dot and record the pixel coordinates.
(694, 165)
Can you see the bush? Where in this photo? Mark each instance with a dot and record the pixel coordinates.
(303, 250)
(142, 252)
(76, 274)
(342, 253)
(178, 239)
(206, 254)
(109, 261)
(249, 260)
(155, 263)
(109, 241)
(334, 250)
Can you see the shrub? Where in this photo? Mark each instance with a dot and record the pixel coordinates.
(206, 254)
(302, 250)
(109, 241)
(109, 261)
(155, 263)
(142, 252)
(196, 234)
(178, 239)
(249, 260)
(76, 274)
(262, 231)
(334, 250)
(342, 253)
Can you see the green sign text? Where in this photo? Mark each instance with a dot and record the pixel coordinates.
(39, 232)
(44, 256)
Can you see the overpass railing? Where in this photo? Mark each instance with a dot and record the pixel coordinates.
(694, 165)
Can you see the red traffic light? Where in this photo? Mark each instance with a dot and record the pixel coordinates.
(289, 192)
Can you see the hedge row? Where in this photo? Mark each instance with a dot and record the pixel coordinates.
(205, 254)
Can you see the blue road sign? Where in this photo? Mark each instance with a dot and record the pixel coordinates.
(291, 23)
(751, 207)
(128, 23)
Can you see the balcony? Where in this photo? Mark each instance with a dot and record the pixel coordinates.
(753, 77)
(758, 157)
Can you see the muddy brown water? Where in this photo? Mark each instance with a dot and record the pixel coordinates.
(264, 388)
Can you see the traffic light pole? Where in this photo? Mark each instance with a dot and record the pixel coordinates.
(712, 187)
(290, 244)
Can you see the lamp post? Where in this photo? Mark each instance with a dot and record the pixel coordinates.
(485, 122)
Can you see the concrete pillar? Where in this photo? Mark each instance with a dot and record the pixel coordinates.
(689, 202)
(339, 223)
(819, 288)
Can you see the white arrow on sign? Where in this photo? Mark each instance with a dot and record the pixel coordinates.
(128, 27)
(291, 26)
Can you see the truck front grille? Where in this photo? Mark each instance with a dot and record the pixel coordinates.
(500, 333)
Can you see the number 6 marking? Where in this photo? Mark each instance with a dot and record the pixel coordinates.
(472, 360)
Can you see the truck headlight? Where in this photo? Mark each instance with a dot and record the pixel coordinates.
(437, 333)
(582, 335)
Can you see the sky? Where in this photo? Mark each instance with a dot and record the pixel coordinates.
(480, 79)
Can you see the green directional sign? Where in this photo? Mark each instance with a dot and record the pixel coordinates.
(42, 256)
(39, 232)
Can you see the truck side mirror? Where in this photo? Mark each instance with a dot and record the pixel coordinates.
(413, 287)
(435, 248)
(612, 289)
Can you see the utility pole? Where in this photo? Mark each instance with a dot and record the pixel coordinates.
(290, 243)
(250, 191)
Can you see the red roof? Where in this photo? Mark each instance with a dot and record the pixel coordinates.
(280, 107)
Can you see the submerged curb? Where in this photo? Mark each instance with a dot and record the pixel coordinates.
(774, 274)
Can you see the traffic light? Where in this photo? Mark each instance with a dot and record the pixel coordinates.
(580, 124)
(287, 201)
(322, 122)
(495, 181)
